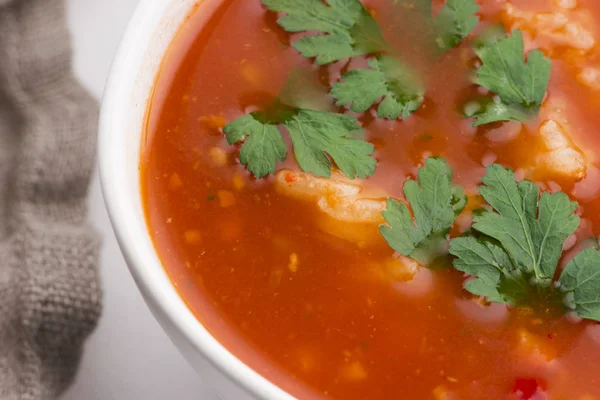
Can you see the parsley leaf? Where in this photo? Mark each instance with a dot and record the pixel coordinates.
(399, 86)
(455, 22)
(496, 276)
(581, 281)
(435, 204)
(488, 110)
(531, 228)
(316, 136)
(517, 245)
(389, 79)
(263, 146)
(519, 85)
(484, 259)
(347, 28)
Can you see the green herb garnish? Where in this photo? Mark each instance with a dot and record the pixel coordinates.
(519, 86)
(347, 29)
(387, 78)
(396, 82)
(263, 144)
(455, 21)
(514, 249)
(316, 136)
(531, 229)
(580, 281)
(435, 204)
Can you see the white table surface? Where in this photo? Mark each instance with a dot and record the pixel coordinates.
(129, 356)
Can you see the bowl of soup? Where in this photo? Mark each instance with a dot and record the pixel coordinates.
(371, 199)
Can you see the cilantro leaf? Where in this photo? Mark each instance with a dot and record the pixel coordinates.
(347, 28)
(532, 229)
(455, 21)
(519, 85)
(516, 247)
(389, 79)
(483, 259)
(435, 204)
(316, 136)
(263, 145)
(495, 110)
(581, 281)
(394, 82)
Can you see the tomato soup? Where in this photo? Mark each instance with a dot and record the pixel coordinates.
(319, 303)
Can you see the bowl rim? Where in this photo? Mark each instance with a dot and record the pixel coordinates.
(133, 237)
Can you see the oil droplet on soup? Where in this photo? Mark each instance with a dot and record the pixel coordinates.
(290, 272)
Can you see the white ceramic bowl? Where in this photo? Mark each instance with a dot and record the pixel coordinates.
(124, 107)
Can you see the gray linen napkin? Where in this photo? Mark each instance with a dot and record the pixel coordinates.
(49, 288)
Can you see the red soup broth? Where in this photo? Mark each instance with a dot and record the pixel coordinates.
(321, 316)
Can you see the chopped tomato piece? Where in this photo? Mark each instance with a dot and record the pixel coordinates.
(526, 388)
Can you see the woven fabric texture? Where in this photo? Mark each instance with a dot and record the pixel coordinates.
(49, 288)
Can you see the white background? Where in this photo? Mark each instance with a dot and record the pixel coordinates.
(129, 356)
